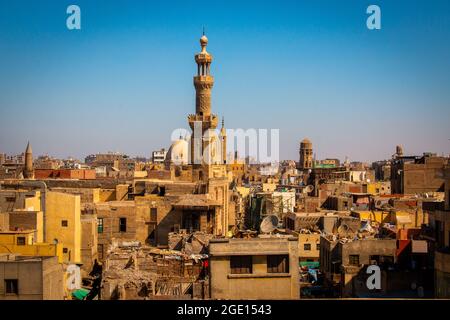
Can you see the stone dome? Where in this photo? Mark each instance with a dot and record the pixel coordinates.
(178, 152)
(306, 141)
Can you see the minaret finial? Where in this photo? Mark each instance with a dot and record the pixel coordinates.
(203, 33)
(223, 121)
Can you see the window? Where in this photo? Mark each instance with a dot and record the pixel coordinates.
(99, 225)
(20, 241)
(10, 199)
(65, 250)
(278, 264)
(375, 259)
(318, 246)
(11, 286)
(64, 223)
(122, 224)
(153, 214)
(241, 264)
(353, 259)
(307, 246)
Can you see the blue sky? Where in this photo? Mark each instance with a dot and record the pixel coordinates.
(309, 68)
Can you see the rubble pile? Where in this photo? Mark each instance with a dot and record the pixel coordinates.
(367, 230)
(142, 272)
(190, 243)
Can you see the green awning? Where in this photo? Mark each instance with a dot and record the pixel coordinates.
(80, 294)
(310, 264)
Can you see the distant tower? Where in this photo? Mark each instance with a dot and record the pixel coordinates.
(306, 154)
(202, 118)
(223, 136)
(399, 151)
(28, 171)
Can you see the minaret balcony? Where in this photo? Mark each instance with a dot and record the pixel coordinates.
(203, 79)
(203, 58)
(203, 82)
(208, 121)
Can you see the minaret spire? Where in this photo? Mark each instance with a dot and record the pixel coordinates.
(28, 170)
(203, 82)
(203, 119)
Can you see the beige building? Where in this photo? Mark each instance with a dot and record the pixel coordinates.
(89, 241)
(63, 223)
(256, 268)
(11, 199)
(410, 175)
(30, 278)
(308, 247)
(344, 263)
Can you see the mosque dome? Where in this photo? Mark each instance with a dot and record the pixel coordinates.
(306, 141)
(178, 152)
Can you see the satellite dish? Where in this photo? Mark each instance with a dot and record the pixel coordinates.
(269, 224)
(308, 189)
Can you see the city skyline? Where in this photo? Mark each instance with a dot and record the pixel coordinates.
(306, 71)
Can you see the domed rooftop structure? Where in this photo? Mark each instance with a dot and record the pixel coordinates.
(178, 152)
(306, 140)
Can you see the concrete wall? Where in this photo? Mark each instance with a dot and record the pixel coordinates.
(87, 195)
(418, 177)
(28, 220)
(84, 174)
(367, 247)
(89, 241)
(19, 199)
(111, 212)
(53, 279)
(38, 279)
(313, 240)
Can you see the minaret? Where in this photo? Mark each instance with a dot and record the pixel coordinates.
(223, 136)
(306, 154)
(28, 171)
(202, 120)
